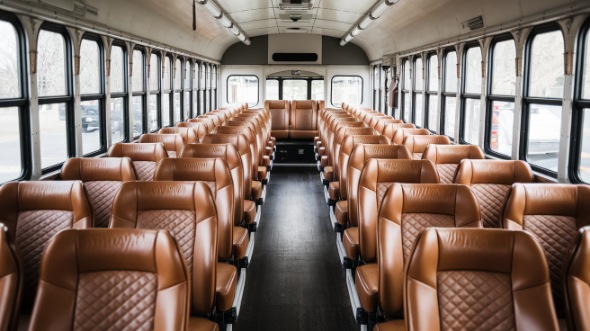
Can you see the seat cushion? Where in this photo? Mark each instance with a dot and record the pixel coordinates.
(201, 324)
(394, 325)
(249, 211)
(341, 211)
(350, 240)
(256, 190)
(367, 285)
(240, 244)
(328, 173)
(225, 288)
(334, 191)
(262, 173)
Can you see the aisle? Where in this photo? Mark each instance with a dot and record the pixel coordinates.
(295, 281)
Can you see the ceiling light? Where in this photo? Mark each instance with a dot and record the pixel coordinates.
(348, 37)
(213, 8)
(374, 13)
(379, 9)
(234, 29)
(226, 21)
(355, 32)
(365, 22)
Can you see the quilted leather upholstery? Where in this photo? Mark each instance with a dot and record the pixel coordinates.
(144, 169)
(446, 172)
(491, 198)
(413, 224)
(473, 300)
(101, 196)
(115, 300)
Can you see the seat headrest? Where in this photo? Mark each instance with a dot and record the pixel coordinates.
(452, 154)
(378, 171)
(194, 169)
(172, 142)
(139, 152)
(362, 153)
(352, 140)
(98, 169)
(239, 141)
(504, 172)
(227, 152)
(417, 144)
(189, 135)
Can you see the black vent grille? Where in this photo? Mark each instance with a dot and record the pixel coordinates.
(475, 23)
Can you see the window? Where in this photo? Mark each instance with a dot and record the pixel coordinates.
(543, 99)
(55, 101)
(202, 89)
(581, 135)
(382, 74)
(92, 97)
(242, 89)
(432, 94)
(375, 86)
(272, 89)
(186, 85)
(347, 89)
(501, 98)
(196, 98)
(417, 92)
(13, 120)
(214, 87)
(118, 89)
(294, 89)
(449, 94)
(471, 95)
(154, 96)
(178, 112)
(166, 92)
(138, 95)
(317, 89)
(406, 90)
(207, 87)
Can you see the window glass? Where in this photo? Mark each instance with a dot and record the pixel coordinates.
(165, 109)
(137, 109)
(347, 89)
(51, 65)
(317, 89)
(451, 72)
(10, 144)
(9, 64)
(187, 75)
(432, 73)
(89, 67)
(503, 68)
(186, 101)
(152, 112)
(546, 65)
(473, 70)
(91, 118)
(586, 70)
(544, 135)
(294, 89)
(202, 76)
(418, 110)
(450, 108)
(117, 69)
(272, 89)
(433, 113)
(177, 112)
(407, 77)
(166, 78)
(138, 71)
(584, 167)
(471, 127)
(177, 74)
(54, 142)
(214, 77)
(242, 89)
(375, 77)
(154, 69)
(501, 131)
(418, 74)
(117, 119)
(407, 110)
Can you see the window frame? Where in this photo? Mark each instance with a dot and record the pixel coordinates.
(415, 92)
(446, 94)
(406, 92)
(332, 87)
(467, 95)
(169, 91)
(428, 92)
(157, 91)
(143, 94)
(125, 94)
(257, 87)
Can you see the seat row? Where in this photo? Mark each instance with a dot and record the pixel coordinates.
(383, 194)
(297, 119)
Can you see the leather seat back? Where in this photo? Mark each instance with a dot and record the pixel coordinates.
(188, 135)
(100, 279)
(382, 123)
(241, 144)
(34, 212)
(490, 181)
(199, 129)
(187, 211)
(279, 111)
(144, 156)
(209, 124)
(477, 279)
(374, 119)
(11, 281)
(246, 132)
(339, 136)
(577, 282)
(172, 142)
(255, 128)
(552, 213)
(377, 176)
(446, 158)
(406, 210)
(346, 149)
(358, 157)
(402, 133)
(417, 144)
(304, 119)
(391, 128)
(216, 174)
(231, 156)
(332, 136)
(102, 179)
(216, 119)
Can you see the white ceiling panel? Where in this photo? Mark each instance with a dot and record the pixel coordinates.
(255, 25)
(337, 15)
(252, 15)
(331, 25)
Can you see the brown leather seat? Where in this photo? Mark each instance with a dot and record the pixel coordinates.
(172, 142)
(417, 144)
(382, 123)
(304, 119)
(100, 279)
(213, 117)
(477, 279)
(187, 211)
(258, 173)
(407, 209)
(11, 281)
(188, 135)
(328, 161)
(552, 213)
(402, 133)
(490, 181)
(144, 156)
(279, 110)
(209, 124)
(577, 282)
(34, 212)
(446, 158)
(102, 179)
(390, 129)
(199, 129)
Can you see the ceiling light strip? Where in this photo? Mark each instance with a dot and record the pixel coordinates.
(224, 19)
(367, 19)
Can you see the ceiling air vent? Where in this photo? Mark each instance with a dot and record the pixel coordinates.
(475, 23)
(295, 5)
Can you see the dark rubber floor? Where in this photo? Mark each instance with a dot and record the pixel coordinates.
(295, 281)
